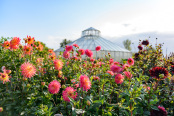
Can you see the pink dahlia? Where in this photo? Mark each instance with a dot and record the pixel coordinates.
(89, 53)
(58, 64)
(119, 78)
(69, 92)
(127, 74)
(85, 82)
(130, 61)
(125, 66)
(115, 68)
(54, 87)
(160, 112)
(14, 43)
(75, 45)
(68, 48)
(81, 51)
(66, 54)
(110, 72)
(111, 61)
(28, 70)
(98, 48)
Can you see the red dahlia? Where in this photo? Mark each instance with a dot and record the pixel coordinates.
(145, 42)
(140, 47)
(156, 71)
(172, 68)
(160, 112)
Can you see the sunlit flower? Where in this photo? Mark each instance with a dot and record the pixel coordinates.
(157, 71)
(130, 61)
(81, 51)
(30, 40)
(160, 112)
(98, 48)
(58, 64)
(69, 92)
(115, 68)
(85, 82)
(6, 44)
(119, 78)
(54, 87)
(27, 49)
(96, 78)
(68, 48)
(89, 53)
(4, 77)
(111, 61)
(127, 74)
(50, 51)
(145, 42)
(14, 43)
(40, 47)
(66, 54)
(28, 70)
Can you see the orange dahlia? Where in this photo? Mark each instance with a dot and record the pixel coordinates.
(58, 64)
(28, 70)
(6, 44)
(27, 49)
(14, 43)
(29, 40)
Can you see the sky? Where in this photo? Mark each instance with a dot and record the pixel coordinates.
(51, 21)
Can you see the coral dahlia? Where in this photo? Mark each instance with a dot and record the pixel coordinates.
(81, 51)
(68, 48)
(69, 92)
(127, 74)
(58, 64)
(4, 77)
(54, 87)
(28, 70)
(130, 61)
(66, 54)
(14, 43)
(6, 44)
(85, 82)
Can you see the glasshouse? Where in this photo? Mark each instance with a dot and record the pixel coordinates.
(91, 38)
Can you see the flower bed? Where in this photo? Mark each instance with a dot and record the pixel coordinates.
(34, 81)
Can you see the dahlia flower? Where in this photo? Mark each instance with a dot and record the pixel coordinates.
(68, 48)
(127, 74)
(110, 72)
(69, 92)
(98, 48)
(140, 47)
(58, 64)
(81, 51)
(89, 53)
(29, 40)
(172, 68)
(85, 82)
(6, 44)
(54, 87)
(160, 112)
(145, 42)
(66, 54)
(130, 61)
(28, 70)
(119, 78)
(115, 68)
(157, 71)
(4, 77)
(27, 49)
(75, 45)
(14, 43)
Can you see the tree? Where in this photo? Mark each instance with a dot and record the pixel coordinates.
(127, 44)
(65, 42)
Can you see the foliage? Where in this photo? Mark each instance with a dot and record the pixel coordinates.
(65, 42)
(137, 95)
(127, 44)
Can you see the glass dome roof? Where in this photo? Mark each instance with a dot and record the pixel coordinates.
(91, 38)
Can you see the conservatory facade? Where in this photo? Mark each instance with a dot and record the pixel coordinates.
(91, 38)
